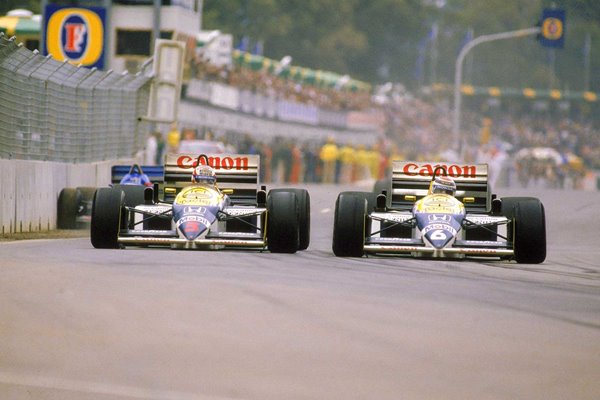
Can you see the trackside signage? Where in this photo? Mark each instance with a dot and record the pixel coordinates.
(75, 34)
(425, 170)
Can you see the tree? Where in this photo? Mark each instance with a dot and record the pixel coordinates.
(32, 5)
(387, 40)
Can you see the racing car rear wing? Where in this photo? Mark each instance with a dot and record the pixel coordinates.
(154, 172)
(238, 172)
(411, 180)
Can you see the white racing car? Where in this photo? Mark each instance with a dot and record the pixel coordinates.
(230, 210)
(408, 218)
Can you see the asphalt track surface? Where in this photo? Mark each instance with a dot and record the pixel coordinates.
(80, 323)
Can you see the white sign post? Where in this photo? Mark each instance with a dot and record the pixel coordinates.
(165, 90)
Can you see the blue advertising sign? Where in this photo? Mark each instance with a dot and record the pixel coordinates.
(552, 27)
(75, 34)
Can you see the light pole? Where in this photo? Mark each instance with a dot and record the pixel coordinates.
(457, 134)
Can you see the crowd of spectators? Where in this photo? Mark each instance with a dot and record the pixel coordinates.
(416, 128)
(550, 146)
(275, 85)
(284, 160)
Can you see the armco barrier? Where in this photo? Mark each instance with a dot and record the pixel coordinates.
(29, 190)
(7, 195)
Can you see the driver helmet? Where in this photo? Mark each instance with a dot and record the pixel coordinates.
(204, 174)
(442, 184)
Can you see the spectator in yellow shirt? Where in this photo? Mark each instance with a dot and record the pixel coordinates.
(329, 156)
(173, 138)
(362, 163)
(346, 157)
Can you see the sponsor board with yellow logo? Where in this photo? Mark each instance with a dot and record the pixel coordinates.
(75, 34)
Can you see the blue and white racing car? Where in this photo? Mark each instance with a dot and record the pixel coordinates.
(408, 218)
(187, 211)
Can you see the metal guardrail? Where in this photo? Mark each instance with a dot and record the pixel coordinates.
(55, 111)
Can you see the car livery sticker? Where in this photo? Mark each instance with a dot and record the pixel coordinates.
(217, 162)
(198, 196)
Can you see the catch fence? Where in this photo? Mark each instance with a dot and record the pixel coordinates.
(55, 111)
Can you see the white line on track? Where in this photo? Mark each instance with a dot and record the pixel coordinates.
(72, 385)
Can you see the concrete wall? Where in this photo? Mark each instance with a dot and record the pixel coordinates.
(29, 190)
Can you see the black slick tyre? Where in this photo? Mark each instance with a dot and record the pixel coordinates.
(509, 203)
(106, 218)
(134, 194)
(69, 200)
(303, 199)
(507, 209)
(381, 185)
(87, 192)
(283, 234)
(349, 225)
(529, 240)
(370, 197)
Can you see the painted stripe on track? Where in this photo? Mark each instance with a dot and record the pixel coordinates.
(72, 385)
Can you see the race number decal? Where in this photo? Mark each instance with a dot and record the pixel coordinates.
(438, 234)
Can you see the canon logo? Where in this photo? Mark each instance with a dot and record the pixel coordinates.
(455, 171)
(226, 163)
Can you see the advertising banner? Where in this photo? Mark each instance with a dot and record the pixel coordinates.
(553, 28)
(75, 34)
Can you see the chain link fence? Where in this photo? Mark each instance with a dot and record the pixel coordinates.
(55, 111)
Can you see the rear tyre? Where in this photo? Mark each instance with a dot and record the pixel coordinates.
(489, 234)
(395, 230)
(68, 204)
(381, 185)
(303, 199)
(106, 218)
(349, 224)
(87, 193)
(242, 224)
(529, 232)
(134, 194)
(370, 197)
(283, 234)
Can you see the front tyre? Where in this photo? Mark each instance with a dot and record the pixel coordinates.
(508, 209)
(106, 218)
(349, 225)
(283, 235)
(529, 232)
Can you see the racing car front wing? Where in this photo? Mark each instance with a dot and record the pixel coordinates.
(417, 247)
(449, 251)
(170, 238)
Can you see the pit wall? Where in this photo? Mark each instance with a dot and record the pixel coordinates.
(29, 190)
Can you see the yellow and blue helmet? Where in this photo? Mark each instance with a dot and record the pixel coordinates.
(204, 174)
(442, 184)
